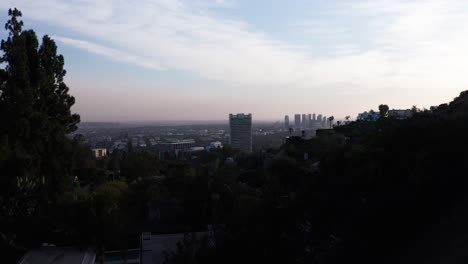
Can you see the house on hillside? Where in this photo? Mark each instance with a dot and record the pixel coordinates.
(99, 152)
(368, 116)
(400, 113)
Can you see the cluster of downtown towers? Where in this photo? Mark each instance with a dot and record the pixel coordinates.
(308, 121)
(240, 126)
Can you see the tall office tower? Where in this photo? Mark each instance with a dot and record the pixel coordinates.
(309, 121)
(286, 121)
(313, 117)
(319, 118)
(324, 121)
(304, 121)
(297, 121)
(241, 131)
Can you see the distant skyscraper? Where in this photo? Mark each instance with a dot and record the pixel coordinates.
(286, 121)
(304, 121)
(241, 131)
(313, 117)
(309, 121)
(297, 121)
(319, 118)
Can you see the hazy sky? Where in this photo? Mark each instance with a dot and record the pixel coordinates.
(201, 59)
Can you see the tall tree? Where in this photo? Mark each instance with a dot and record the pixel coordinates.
(16, 104)
(35, 118)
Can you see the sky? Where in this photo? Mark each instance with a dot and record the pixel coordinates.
(158, 60)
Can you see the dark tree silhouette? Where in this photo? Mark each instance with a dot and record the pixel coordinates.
(383, 109)
(330, 119)
(35, 118)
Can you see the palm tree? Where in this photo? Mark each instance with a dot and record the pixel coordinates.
(330, 119)
(415, 109)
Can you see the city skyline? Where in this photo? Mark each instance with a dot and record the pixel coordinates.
(198, 60)
(333, 151)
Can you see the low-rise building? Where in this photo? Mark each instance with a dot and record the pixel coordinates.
(181, 145)
(99, 152)
(400, 113)
(368, 116)
(216, 145)
(196, 149)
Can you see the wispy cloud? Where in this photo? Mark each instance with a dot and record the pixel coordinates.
(378, 50)
(172, 34)
(109, 52)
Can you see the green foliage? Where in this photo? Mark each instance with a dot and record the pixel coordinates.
(35, 119)
(110, 205)
(368, 192)
(35, 108)
(136, 165)
(77, 214)
(186, 251)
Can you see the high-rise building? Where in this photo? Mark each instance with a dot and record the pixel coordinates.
(313, 117)
(304, 121)
(297, 121)
(241, 131)
(319, 118)
(286, 121)
(309, 121)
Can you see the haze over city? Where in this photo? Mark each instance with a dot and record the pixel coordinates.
(233, 131)
(200, 60)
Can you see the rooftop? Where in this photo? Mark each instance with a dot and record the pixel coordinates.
(58, 255)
